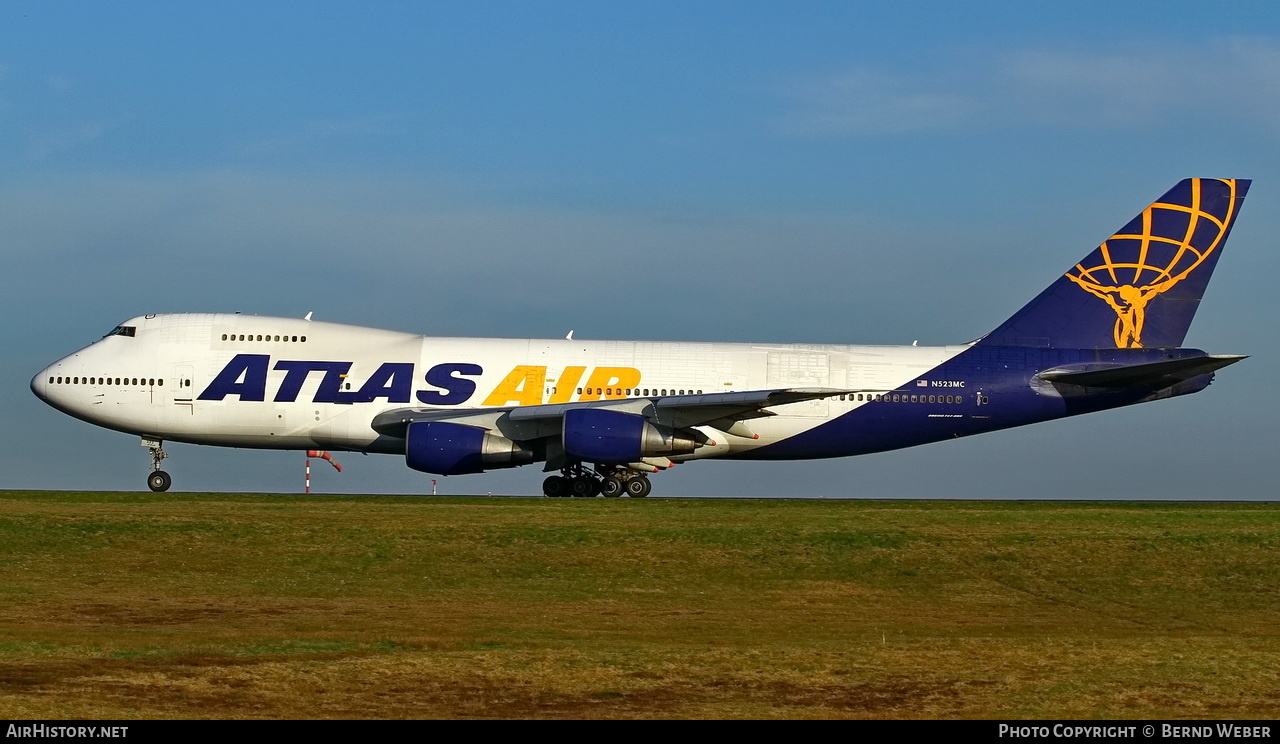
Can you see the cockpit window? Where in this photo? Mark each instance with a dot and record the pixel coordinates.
(122, 331)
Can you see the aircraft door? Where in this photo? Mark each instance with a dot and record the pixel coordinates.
(182, 385)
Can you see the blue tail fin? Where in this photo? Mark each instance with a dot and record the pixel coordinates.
(1142, 286)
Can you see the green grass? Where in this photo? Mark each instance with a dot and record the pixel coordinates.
(239, 605)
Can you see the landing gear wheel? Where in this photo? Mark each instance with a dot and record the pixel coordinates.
(584, 487)
(639, 487)
(612, 487)
(555, 487)
(159, 481)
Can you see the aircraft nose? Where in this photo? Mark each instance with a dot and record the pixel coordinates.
(39, 384)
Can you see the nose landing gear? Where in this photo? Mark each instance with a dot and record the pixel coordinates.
(158, 480)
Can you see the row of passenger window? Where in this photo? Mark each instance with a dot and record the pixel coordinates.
(903, 398)
(262, 337)
(121, 381)
(641, 392)
(857, 397)
(863, 397)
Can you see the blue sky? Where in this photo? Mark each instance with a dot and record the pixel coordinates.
(814, 172)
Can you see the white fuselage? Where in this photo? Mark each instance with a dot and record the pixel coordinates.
(283, 383)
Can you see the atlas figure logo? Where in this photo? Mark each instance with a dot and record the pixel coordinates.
(1152, 254)
(451, 383)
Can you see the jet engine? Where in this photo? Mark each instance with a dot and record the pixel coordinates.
(447, 448)
(602, 436)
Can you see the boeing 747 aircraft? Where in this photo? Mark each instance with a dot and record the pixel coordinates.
(603, 415)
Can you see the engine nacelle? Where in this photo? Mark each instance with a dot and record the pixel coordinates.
(447, 448)
(602, 436)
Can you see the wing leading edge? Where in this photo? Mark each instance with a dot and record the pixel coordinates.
(674, 411)
(639, 432)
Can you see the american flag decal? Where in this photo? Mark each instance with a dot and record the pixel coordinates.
(922, 383)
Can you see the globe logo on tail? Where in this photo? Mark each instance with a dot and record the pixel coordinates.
(1150, 256)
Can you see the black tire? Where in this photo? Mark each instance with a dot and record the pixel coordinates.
(584, 487)
(159, 481)
(612, 487)
(639, 487)
(555, 487)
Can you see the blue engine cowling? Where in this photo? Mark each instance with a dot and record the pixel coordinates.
(447, 448)
(607, 437)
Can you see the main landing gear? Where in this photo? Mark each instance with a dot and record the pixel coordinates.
(576, 480)
(158, 480)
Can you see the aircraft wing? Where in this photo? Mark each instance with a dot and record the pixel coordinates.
(1154, 374)
(724, 411)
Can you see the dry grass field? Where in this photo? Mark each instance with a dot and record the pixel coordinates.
(258, 606)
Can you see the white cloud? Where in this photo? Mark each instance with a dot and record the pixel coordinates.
(1232, 82)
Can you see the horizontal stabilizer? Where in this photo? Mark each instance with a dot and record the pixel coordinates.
(1156, 374)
